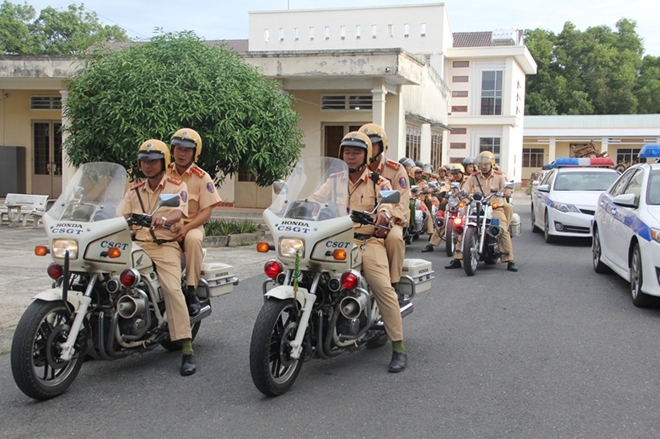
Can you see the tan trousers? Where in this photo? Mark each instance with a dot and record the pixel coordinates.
(396, 251)
(436, 238)
(377, 272)
(192, 245)
(167, 258)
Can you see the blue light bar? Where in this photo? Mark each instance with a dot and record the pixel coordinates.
(651, 151)
(563, 162)
(566, 161)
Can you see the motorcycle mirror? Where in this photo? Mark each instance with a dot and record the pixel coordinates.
(493, 191)
(279, 186)
(509, 185)
(79, 193)
(167, 200)
(389, 197)
(478, 196)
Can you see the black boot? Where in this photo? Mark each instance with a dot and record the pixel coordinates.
(194, 306)
(511, 266)
(455, 263)
(188, 366)
(398, 363)
(428, 248)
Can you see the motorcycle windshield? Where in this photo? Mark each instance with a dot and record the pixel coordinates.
(316, 190)
(93, 194)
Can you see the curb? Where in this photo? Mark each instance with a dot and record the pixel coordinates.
(238, 240)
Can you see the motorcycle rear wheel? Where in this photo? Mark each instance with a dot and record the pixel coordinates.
(271, 366)
(175, 345)
(471, 241)
(35, 350)
(449, 240)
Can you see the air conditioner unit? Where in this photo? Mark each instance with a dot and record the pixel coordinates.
(504, 37)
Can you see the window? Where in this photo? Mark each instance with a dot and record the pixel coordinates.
(436, 150)
(413, 142)
(311, 33)
(374, 31)
(653, 189)
(296, 33)
(635, 185)
(461, 64)
(459, 78)
(533, 157)
(327, 32)
(491, 144)
(266, 35)
(346, 102)
(456, 159)
(459, 130)
(45, 102)
(406, 30)
(491, 92)
(459, 94)
(620, 185)
(390, 30)
(358, 30)
(457, 145)
(627, 155)
(281, 34)
(459, 108)
(342, 32)
(423, 29)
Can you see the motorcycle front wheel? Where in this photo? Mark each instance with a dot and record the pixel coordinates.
(36, 347)
(271, 366)
(471, 242)
(449, 240)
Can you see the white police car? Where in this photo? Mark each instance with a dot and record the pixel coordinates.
(626, 228)
(564, 202)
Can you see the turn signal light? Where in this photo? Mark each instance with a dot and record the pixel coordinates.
(349, 280)
(114, 252)
(273, 268)
(339, 255)
(263, 247)
(41, 250)
(55, 270)
(495, 205)
(129, 278)
(461, 204)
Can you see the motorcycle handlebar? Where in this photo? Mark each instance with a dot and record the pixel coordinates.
(143, 219)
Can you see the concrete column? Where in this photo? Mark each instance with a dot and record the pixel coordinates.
(425, 144)
(67, 170)
(395, 125)
(378, 102)
(553, 150)
(605, 145)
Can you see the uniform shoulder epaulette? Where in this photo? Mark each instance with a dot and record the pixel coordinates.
(392, 164)
(174, 180)
(137, 185)
(382, 181)
(198, 171)
(498, 172)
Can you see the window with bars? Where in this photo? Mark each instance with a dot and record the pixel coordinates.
(533, 157)
(491, 92)
(413, 142)
(45, 102)
(627, 155)
(346, 102)
(491, 144)
(436, 150)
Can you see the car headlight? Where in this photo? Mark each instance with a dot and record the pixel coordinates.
(563, 207)
(288, 246)
(60, 247)
(655, 234)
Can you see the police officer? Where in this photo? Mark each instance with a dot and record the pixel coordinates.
(158, 242)
(186, 146)
(485, 179)
(457, 174)
(355, 150)
(468, 166)
(395, 173)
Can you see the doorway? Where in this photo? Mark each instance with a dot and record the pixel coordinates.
(332, 138)
(47, 158)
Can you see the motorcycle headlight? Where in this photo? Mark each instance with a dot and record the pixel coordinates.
(563, 207)
(288, 246)
(60, 247)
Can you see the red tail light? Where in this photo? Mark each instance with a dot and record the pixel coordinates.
(55, 270)
(422, 207)
(273, 268)
(440, 213)
(129, 278)
(349, 280)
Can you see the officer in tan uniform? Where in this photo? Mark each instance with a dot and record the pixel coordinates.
(457, 173)
(355, 149)
(395, 173)
(483, 181)
(158, 242)
(186, 147)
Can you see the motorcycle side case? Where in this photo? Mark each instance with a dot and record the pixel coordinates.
(420, 271)
(220, 277)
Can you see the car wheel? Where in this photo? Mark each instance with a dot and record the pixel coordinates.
(534, 228)
(596, 252)
(639, 299)
(546, 231)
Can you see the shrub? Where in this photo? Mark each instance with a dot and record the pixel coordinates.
(222, 227)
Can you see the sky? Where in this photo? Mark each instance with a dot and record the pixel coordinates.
(224, 19)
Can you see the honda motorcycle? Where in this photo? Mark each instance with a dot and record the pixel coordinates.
(481, 234)
(106, 301)
(318, 303)
(453, 219)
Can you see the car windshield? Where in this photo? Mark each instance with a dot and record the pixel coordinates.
(585, 181)
(653, 188)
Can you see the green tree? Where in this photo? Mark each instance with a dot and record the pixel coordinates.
(597, 71)
(52, 32)
(120, 98)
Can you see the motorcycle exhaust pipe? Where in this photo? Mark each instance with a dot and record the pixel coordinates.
(129, 307)
(352, 306)
(493, 231)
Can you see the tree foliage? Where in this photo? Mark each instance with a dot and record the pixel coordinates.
(597, 71)
(121, 98)
(52, 32)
